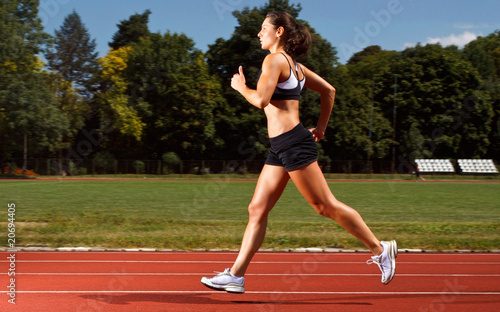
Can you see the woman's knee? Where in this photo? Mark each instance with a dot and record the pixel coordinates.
(322, 209)
(327, 209)
(257, 212)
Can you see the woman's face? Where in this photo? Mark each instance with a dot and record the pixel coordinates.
(268, 34)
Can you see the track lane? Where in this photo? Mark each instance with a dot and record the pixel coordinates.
(162, 281)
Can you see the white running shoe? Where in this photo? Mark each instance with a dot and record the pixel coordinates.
(225, 281)
(386, 261)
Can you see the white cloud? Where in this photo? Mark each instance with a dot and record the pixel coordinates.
(409, 45)
(453, 39)
(458, 40)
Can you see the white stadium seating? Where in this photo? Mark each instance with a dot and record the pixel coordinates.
(465, 166)
(435, 165)
(470, 166)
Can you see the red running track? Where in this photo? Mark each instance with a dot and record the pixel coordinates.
(170, 281)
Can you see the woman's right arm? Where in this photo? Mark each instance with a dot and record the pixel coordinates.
(327, 91)
(266, 85)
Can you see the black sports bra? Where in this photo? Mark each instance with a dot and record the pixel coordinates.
(289, 89)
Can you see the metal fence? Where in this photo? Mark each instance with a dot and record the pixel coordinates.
(158, 167)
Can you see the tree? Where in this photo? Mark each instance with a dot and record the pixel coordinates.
(178, 98)
(74, 56)
(116, 98)
(73, 62)
(33, 111)
(484, 54)
(359, 56)
(439, 101)
(159, 91)
(21, 34)
(29, 117)
(362, 130)
(129, 31)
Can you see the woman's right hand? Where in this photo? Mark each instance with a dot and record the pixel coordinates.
(238, 82)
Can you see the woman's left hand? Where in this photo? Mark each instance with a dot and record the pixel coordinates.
(238, 82)
(317, 134)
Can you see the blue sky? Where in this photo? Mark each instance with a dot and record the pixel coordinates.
(349, 25)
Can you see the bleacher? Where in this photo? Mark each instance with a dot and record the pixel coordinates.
(435, 165)
(480, 166)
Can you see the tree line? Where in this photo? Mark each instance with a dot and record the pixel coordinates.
(155, 95)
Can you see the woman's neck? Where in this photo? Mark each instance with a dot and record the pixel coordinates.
(277, 48)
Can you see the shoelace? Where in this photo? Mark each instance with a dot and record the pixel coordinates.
(375, 260)
(222, 273)
(378, 261)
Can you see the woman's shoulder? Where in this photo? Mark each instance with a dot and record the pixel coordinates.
(274, 60)
(277, 56)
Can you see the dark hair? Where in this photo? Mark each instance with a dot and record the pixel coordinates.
(297, 37)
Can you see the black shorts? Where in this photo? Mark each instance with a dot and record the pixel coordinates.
(293, 149)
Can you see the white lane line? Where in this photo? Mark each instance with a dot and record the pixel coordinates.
(341, 253)
(248, 274)
(469, 293)
(254, 262)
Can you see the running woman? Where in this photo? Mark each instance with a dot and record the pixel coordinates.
(293, 152)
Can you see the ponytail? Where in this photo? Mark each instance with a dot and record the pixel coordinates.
(297, 38)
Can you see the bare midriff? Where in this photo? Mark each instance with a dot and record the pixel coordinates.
(282, 116)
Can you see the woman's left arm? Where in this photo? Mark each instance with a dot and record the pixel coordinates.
(327, 92)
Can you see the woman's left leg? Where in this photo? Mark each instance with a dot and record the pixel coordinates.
(271, 184)
(311, 183)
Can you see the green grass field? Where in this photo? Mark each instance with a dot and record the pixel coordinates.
(212, 214)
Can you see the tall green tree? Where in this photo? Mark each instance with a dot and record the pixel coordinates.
(117, 101)
(73, 55)
(161, 90)
(181, 101)
(362, 130)
(438, 101)
(484, 54)
(21, 34)
(129, 31)
(73, 62)
(359, 56)
(29, 118)
(33, 112)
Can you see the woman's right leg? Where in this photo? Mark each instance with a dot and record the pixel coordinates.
(271, 184)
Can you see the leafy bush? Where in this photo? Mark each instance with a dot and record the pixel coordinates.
(139, 166)
(104, 162)
(172, 160)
